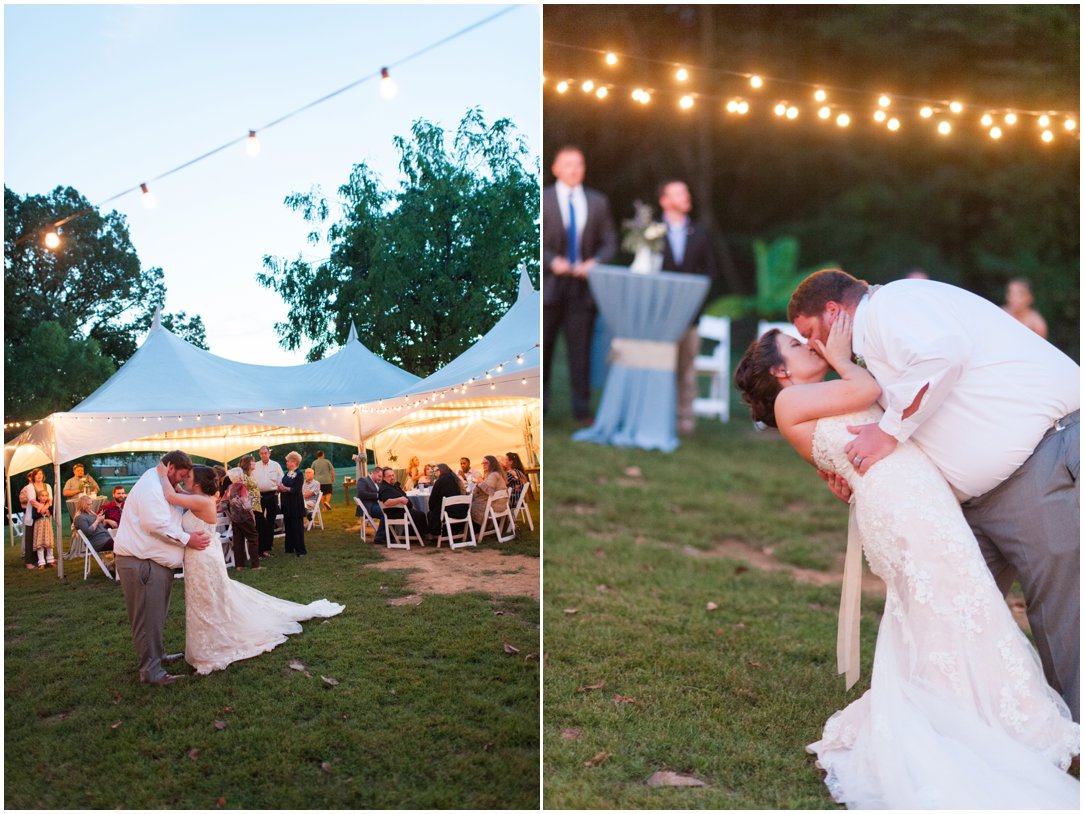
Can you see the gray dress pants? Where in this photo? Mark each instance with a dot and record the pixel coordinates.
(1028, 527)
(146, 586)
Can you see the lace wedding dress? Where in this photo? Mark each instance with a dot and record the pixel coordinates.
(958, 714)
(227, 621)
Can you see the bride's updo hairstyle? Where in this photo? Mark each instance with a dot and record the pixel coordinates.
(205, 479)
(754, 378)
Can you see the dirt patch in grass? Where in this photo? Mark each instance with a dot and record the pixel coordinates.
(453, 572)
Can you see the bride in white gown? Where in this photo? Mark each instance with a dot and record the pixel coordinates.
(958, 714)
(225, 620)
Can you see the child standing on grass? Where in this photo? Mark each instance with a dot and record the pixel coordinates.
(41, 511)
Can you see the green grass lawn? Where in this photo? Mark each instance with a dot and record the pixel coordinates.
(730, 695)
(429, 711)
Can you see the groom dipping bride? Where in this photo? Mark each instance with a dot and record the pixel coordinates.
(225, 620)
(974, 410)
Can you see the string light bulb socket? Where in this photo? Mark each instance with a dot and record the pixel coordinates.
(252, 144)
(148, 198)
(611, 58)
(756, 81)
(388, 88)
(820, 95)
(52, 239)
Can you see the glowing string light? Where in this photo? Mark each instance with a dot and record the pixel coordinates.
(252, 144)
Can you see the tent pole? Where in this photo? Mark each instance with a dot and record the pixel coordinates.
(11, 517)
(362, 460)
(58, 514)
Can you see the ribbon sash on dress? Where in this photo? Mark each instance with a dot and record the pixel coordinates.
(850, 606)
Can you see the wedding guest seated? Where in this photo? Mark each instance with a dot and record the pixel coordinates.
(310, 490)
(491, 480)
(91, 524)
(112, 510)
(413, 473)
(467, 476)
(368, 492)
(80, 483)
(446, 485)
(513, 472)
(394, 502)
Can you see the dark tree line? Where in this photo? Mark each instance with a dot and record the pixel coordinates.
(966, 209)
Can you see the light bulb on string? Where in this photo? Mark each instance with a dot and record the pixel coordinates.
(252, 144)
(1044, 121)
(879, 116)
(820, 95)
(825, 112)
(756, 81)
(987, 120)
(843, 120)
(944, 128)
(1070, 124)
(743, 107)
(562, 86)
(792, 112)
(780, 109)
(588, 86)
(148, 198)
(52, 239)
(995, 133)
(602, 93)
(611, 58)
(893, 124)
(1048, 136)
(686, 102)
(388, 88)
(884, 101)
(732, 106)
(1010, 118)
(681, 75)
(926, 112)
(955, 107)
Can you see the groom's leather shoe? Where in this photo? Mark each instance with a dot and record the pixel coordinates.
(172, 657)
(166, 680)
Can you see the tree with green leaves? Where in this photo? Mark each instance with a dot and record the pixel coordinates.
(423, 270)
(72, 314)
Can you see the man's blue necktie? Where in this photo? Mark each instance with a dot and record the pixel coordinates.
(571, 230)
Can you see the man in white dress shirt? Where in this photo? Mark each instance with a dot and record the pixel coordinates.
(149, 546)
(997, 409)
(268, 476)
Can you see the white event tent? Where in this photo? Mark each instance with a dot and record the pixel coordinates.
(172, 395)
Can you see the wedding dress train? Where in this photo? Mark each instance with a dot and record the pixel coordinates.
(226, 620)
(958, 714)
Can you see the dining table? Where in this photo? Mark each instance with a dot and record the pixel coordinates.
(647, 315)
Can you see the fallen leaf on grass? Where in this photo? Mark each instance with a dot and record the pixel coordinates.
(712, 606)
(597, 686)
(673, 779)
(510, 650)
(741, 569)
(117, 725)
(530, 656)
(570, 611)
(498, 613)
(487, 747)
(599, 552)
(603, 589)
(325, 766)
(624, 699)
(193, 754)
(571, 734)
(596, 760)
(220, 725)
(738, 625)
(633, 472)
(755, 664)
(296, 665)
(227, 709)
(331, 682)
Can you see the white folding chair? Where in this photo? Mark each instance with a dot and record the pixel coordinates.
(366, 519)
(406, 523)
(17, 523)
(317, 517)
(80, 541)
(509, 531)
(280, 526)
(225, 534)
(715, 365)
(466, 536)
(522, 507)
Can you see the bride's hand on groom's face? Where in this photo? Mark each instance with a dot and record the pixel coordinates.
(837, 349)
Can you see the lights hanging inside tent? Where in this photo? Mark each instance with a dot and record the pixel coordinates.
(1010, 118)
(926, 112)
(756, 81)
(956, 107)
(987, 120)
(252, 144)
(995, 133)
(820, 95)
(388, 88)
(843, 120)
(1044, 121)
(588, 86)
(944, 128)
(562, 86)
(611, 58)
(1048, 136)
(681, 75)
(52, 239)
(686, 102)
(893, 124)
(602, 93)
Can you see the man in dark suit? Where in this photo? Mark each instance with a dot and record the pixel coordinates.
(367, 491)
(687, 249)
(577, 233)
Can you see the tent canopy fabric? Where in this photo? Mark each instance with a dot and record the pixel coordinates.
(171, 395)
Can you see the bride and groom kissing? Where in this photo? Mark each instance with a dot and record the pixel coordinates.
(953, 432)
(169, 522)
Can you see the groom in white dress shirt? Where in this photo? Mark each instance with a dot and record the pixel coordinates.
(997, 409)
(149, 546)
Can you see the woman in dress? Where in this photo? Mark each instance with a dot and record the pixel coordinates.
(513, 472)
(30, 558)
(491, 480)
(225, 620)
(292, 501)
(41, 513)
(446, 485)
(958, 714)
(92, 524)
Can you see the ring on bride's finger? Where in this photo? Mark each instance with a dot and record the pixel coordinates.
(857, 460)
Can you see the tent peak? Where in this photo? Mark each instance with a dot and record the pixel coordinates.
(525, 286)
(156, 323)
(353, 333)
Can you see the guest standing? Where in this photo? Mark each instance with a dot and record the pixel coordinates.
(239, 508)
(41, 505)
(293, 506)
(324, 473)
(268, 475)
(687, 250)
(577, 233)
(30, 558)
